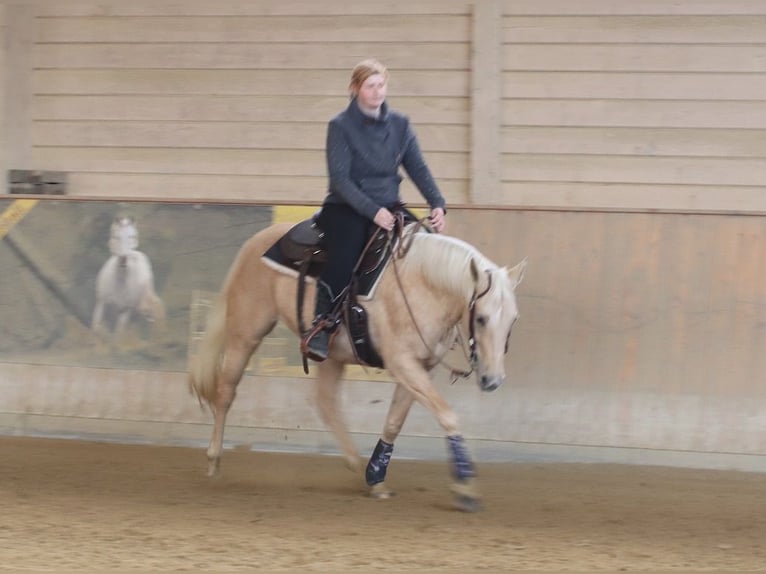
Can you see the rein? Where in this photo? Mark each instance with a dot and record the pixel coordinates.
(473, 358)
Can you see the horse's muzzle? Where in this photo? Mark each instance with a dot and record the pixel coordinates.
(487, 383)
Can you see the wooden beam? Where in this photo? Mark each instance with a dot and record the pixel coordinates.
(18, 47)
(485, 101)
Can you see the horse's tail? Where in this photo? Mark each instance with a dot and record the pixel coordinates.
(205, 364)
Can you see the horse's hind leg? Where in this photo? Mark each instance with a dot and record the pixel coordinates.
(153, 310)
(375, 475)
(236, 356)
(328, 378)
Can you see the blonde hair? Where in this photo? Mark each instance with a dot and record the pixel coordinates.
(364, 70)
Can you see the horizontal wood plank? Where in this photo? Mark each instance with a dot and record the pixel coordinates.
(349, 28)
(635, 113)
(610, 29)
(50, 8)
(430, 110)
(635, 141)
(214, 161)
(437, 83)
(645, 7)
(635, 169)
(252, 56)
(311, 189)
(653, 90)
(242, 135)
(628, 85)
(168, 134)
(635, 58)
(589, 195)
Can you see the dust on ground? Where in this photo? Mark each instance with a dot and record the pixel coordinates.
(70, 505)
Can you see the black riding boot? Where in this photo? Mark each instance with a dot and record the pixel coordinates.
(318, 345)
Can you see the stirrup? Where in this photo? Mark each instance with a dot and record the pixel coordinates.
(306, 351)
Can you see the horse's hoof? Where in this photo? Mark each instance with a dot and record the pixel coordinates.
(466, 495)
(213, 467)
(380, 491)
(355, 465)
(467, 503)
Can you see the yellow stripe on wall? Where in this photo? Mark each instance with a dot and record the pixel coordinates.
(297, 213)
(15, 213)
(292, 213)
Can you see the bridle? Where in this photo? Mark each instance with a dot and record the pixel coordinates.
(473, 356)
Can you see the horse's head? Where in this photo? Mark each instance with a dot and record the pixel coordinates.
(123, 236)
(492, 313)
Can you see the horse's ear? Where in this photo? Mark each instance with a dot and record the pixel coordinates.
(474, 271)
(516, 273)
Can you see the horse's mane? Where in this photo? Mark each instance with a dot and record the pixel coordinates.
(123, 235)
(445, 261)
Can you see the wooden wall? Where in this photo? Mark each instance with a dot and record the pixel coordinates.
(651, 104)
(576, 121)
(231, 99)
(588, 104)
(640, 339)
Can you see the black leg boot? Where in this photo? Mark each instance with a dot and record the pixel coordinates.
(318, 345)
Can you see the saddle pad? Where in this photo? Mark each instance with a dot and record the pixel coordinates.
(367, 281)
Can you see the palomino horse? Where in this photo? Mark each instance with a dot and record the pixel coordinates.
(125, 283)
(413, 319)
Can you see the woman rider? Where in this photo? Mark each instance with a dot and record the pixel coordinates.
(366, 144)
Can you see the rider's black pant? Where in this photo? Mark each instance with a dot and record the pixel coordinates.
(346, 234)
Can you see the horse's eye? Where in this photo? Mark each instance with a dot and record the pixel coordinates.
(481, 320)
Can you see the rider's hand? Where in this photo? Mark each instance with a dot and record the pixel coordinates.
(384, 219)
(437, 219)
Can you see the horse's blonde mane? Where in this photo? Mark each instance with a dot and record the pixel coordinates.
(446, 261)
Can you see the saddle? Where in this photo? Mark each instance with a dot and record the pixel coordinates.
(302, 250)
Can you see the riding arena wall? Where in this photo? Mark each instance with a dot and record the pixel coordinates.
(617, 145)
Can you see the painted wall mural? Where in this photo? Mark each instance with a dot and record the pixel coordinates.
(116, 285)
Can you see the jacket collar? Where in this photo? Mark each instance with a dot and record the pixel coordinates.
(357, 113)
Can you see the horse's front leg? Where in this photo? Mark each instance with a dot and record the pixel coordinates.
(381, 456)
(121, 325)
(96, 323)
(328, 378)
(412, 374)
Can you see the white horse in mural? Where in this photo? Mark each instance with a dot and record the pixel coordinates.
(125, 283)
